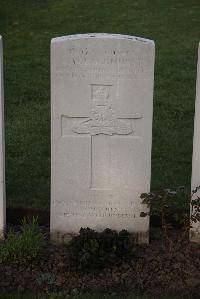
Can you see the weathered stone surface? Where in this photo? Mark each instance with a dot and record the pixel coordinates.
(2, 159)
(102, 104)
(195, 230)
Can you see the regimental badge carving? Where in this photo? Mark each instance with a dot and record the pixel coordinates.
(102, 120)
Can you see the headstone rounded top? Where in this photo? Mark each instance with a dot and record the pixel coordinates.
(101, 36)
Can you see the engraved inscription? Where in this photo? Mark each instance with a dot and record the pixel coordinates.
(85, 63)
(89, 208)
(81, 214)
(102, 120)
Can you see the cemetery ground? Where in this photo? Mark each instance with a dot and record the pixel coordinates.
(28, 261)
(99, 263)
(80, 297)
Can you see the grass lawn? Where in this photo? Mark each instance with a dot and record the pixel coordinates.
(27, 28)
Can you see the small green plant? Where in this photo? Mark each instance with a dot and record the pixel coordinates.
(90, 249)
(173, 206)
(23, 246)
(46, 280)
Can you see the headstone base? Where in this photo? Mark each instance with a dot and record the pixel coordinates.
(63, 238)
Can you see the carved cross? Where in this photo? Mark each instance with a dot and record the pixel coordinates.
(101, 125)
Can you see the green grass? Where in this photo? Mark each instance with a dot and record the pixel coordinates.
(24, 247)
(27, 28)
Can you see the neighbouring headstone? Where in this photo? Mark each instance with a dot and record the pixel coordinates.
(195, 230)
(102, 105)
(2, 167)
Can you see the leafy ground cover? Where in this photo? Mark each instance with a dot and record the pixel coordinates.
(7, 296)
(160, 268)
(103, 262)
(27, 28)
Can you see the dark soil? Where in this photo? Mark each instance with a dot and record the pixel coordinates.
(156, 269)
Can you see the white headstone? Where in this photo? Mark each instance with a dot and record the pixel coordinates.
(2, 167)
(102, 104)
(195, 230)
